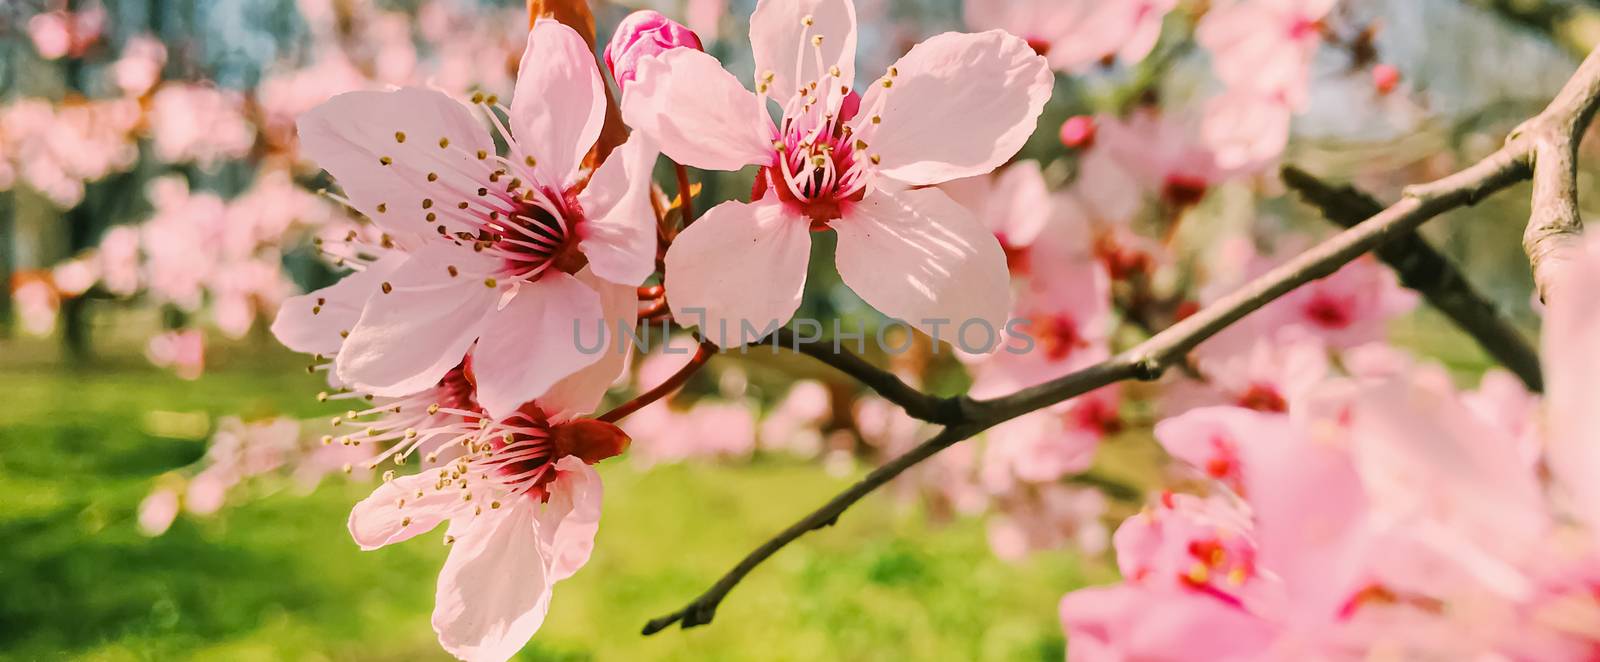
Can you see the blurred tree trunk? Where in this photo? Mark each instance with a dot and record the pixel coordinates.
(80, 235)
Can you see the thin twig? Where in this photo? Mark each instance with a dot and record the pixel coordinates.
(703, 608)
(917, 404)
(1423, 268)
(1560, 124)
(666, 388)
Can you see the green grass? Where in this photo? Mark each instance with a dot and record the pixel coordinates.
(277, 577)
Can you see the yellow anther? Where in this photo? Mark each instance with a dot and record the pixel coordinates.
(385, 160)
(382, 207)
(399, 136)
(387, 288)
(444, 143)
(433, 176)
(489, 282)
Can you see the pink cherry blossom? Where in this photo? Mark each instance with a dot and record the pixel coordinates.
(795, 423)
(644, 34)
(704, 17)
(181, 351)
(199, 124)
(523, 506)
(1048, 516)
(1076, 35)
(138, 69)
(37, 304)
(497, 250)
(842, 161)
(1165, 155)
(157, 512)
(1265, 46)
(1352, 307)
(60, 34)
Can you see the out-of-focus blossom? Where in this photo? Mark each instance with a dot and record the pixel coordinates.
(157, 512)
(945, 484)
(138, 68)
(1265, 46)
(1352, 307)
(705, 430)
(1385, 78)
(199, 124)
(644, 34)
(795, 424)
(490, 249)
(1245, 131)
(181, 351)
(1168, 157)
(59, 149)
(1077, 35)
(59, 34)
(1078, 132)
(1015, 204)
(704, 17)
(1049, 516)
(74, 277)
(37, 303)
(839, 160)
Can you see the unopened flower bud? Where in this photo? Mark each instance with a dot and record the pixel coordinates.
(643, 34)
(1078, 132)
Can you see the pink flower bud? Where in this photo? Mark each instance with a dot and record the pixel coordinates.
(1078, 132)
(1385, 77)
(641, 35)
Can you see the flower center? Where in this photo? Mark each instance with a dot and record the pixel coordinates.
(1264, 398)
(1328, 313)
(821, 165)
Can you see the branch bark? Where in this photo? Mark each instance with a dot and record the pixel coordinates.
(1554, 226)
(1553, 223)
(1426, 270)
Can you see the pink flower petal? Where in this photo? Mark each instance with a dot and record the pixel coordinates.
(533, 342)
(409, 338)
(493, 590)
(352, 134)
(560, 101)
(698, 112)
(619, 233)
(919, 257)
(1572, 381)
(992, 85)
(312, 323)
(582, 391)
(782, 42)
(569, 520)
(740, 264)
(394, 512)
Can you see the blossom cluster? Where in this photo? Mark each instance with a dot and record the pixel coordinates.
(1334, 497)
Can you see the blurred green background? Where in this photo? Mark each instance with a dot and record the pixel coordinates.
(278, 578)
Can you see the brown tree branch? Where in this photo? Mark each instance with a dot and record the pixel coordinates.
(1426, 270)
(1554, 135)
(917, 404)
(1560, 124)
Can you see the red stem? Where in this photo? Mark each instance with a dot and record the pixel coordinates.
(685, 196)
(666, 388)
